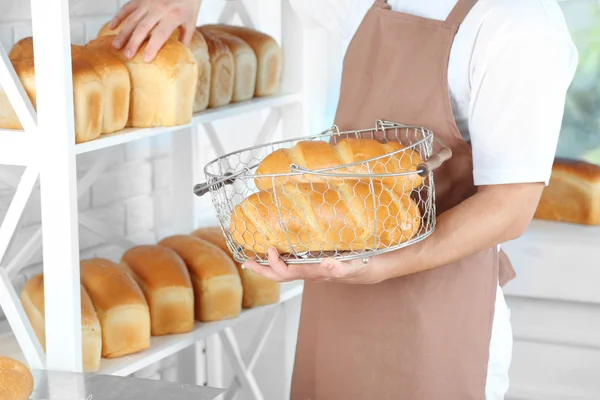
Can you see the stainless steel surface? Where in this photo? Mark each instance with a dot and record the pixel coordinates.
(51, 385)
(231, 179)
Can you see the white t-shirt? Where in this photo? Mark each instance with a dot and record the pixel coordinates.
(510, 66)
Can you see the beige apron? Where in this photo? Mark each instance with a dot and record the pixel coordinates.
(425, 336)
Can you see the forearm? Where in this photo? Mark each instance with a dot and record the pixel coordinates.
(494, 215)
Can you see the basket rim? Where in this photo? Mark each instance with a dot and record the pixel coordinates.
(333, 131)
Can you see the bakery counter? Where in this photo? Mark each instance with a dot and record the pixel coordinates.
(52, 385)
(163, 346)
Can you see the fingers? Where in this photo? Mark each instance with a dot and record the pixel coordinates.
(129, 25)
(158, 38)
(186, 33)
(263, 270)
(122, 14)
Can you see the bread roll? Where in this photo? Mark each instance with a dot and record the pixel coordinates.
(246, 64)
(162, 91)
(88, 93)
(573, 193)
(116, 84)
(222, 69)
(257, 290)
(120, 305)
(104, 31)
(199, 49)
(342, 216)
(217, 285)
(32, 299)
(268, 53)
(315, 155)
(16, 381)
(165, 281)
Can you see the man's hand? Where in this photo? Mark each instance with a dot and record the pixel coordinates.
(157, 19)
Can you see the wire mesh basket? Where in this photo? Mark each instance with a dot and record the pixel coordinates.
(344, 195)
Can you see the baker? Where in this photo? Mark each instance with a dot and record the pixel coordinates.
(429, 322)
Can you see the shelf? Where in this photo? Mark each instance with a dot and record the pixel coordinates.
(214, 114)
(16, 148)
(162, 346)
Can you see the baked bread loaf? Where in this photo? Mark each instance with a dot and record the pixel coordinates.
(120, 305)
(222, 69)
(162, 91)
(573, 193)
(217, 285)
(165, 281)
(16, 381)
(246, 64)
(268, 54)
(315, 155)
(342, 216)
(257, 290)
(104, 31)
(32, 299)
(199, 49)
(88, 93)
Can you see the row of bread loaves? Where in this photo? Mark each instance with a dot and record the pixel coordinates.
(155, 290)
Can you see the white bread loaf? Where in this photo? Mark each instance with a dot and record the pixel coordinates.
(199, 49)
(246, 64)
(16, 381)
(315, 155)
(88, 93)
(268, 54)
(120, 305)
(162, 91)
(222, 69)
(165, 281)
(572, 195)
(258, 290)
(324, 216)
(217, 284)
(32, 299)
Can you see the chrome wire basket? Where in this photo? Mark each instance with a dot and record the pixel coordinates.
(329, 195)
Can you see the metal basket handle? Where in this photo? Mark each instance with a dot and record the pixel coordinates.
(202, 188)
(436, 160)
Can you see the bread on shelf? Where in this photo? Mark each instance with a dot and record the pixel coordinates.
(88, 93)
(199, 49)
(163, 277)
(268, 54)
(121, 307)
(162, 91)
(315, 155)
(32, 299)
(104, 31)
(257, 290)
(217, 284)
(16, 381)
(246, 64)
(324, 216)
(573, 193)
(222, 69)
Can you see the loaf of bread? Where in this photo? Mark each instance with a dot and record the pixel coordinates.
(16, 381)
(268, 53)
(199, 49)
(573, 193)
(222, 69)
(165, 281)
(162, 91)
(120, 305)
(246, 64)
(331, 216)
(217, 285)
(104, 31)
(88, 92)
(315, 155)
(32, 299)
(257, 290)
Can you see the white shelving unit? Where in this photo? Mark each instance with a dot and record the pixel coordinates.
(48, 151)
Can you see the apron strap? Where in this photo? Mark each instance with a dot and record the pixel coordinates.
(459, 12)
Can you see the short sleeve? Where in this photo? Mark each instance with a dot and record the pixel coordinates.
(518, 91)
